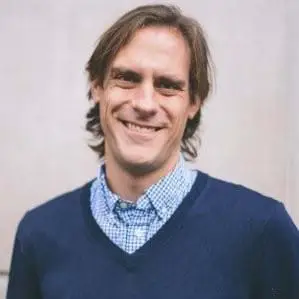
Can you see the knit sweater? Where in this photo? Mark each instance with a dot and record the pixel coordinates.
(223, 242)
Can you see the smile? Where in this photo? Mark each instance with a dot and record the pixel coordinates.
(139, 128)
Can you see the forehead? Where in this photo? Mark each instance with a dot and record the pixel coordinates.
(155, 49)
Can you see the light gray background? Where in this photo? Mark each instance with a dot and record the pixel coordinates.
(250, 130)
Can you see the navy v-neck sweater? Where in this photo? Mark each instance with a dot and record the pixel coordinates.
(223, 242)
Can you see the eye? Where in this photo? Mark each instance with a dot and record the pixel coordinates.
(167, 87)
(127, 77)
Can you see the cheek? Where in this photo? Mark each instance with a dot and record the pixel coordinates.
(116, 97)
(177, 114)
(179, 126)
(104, 114)
(175, 133)
(107, 103)
(110, 105)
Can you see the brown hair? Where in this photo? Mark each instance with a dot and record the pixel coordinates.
(120, 33)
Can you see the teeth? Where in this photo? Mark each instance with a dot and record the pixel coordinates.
(137, 128)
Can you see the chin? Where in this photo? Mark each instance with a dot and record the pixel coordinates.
(140, 165)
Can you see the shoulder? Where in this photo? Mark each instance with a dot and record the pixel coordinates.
(54, 213)
(237, 203)
(247, 215)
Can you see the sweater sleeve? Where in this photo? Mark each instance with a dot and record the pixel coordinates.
(278, 273)
(23, 281)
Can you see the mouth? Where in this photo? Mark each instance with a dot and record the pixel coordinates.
(139, 128)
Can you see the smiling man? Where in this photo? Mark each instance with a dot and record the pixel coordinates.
(147, 226)
(145, 105)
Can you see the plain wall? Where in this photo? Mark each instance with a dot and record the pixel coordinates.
(250, 128)
(292, 100)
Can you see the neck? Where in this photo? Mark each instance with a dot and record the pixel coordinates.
(132, 186)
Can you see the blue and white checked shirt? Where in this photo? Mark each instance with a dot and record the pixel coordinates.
(131, 225)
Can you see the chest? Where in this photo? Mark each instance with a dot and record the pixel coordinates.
(183, 266)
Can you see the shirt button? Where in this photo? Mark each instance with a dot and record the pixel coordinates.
(123, 205)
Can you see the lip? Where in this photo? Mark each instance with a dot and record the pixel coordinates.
(139, 136)
(156, 128)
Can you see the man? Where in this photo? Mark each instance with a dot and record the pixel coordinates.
(147, 226)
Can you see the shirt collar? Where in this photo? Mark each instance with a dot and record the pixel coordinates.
(111, 198)
(162, 196)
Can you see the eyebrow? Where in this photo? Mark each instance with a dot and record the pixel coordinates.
(167, 77)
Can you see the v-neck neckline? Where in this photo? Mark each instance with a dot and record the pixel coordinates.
(168, 230)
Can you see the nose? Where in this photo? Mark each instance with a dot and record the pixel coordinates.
(144, 102)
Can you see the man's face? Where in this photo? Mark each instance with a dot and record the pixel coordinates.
(145, 101)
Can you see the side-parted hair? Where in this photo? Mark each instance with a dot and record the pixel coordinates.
(120, 34)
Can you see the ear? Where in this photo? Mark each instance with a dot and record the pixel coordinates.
(194, 107)
(96, 92)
